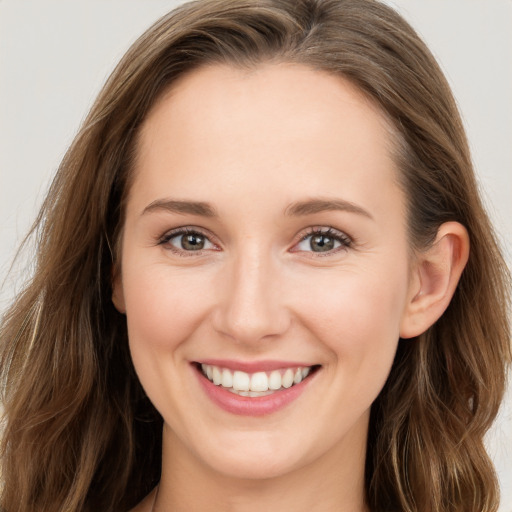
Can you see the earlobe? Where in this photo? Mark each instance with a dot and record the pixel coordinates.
(437, 271)
(118, 292)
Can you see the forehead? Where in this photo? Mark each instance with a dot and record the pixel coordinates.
(284, 124)
(213, 91)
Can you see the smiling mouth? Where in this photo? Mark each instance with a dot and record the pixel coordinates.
(256, 384)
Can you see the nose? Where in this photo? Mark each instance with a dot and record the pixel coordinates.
(250, 305)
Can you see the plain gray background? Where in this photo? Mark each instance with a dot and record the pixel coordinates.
(56, 54)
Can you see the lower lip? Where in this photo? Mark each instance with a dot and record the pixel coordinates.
(251, 406)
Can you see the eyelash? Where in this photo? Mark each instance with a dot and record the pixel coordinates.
(345, 242)
(167, 237)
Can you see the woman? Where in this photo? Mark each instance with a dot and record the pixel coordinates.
(264, 276)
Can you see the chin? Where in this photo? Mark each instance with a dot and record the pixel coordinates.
(258, 459)
(253, 468)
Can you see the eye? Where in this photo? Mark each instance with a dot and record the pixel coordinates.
(186, 240)
(323, 240)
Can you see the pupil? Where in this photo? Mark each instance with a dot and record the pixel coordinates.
(322, 243)
(192, 242)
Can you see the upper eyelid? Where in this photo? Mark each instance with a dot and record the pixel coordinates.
(324, 230)
(171, 233)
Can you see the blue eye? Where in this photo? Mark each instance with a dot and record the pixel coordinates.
(323, 241)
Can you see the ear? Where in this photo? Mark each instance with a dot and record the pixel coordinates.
(434, 278)
(117, 291)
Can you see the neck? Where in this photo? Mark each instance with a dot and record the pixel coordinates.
(333, 483)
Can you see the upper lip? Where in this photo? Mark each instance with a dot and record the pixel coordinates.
(254, 366)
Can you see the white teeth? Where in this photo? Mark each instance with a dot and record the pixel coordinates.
(241, 381)
(227, 379)
(274, 381)
(287, 378)
(252, 393)
(256, 384)
(259, 382)
(217, 376)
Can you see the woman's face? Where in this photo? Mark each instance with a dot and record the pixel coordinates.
(265, 243)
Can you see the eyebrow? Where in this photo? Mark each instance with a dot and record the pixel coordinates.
(312, 206)
(186, 207)
(300, 208)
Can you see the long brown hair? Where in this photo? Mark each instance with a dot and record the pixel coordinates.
(79, 432)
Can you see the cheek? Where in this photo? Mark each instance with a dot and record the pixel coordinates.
(162, 311)
(162, 308)
(357, 315)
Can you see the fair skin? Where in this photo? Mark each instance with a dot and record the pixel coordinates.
(295, 254)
